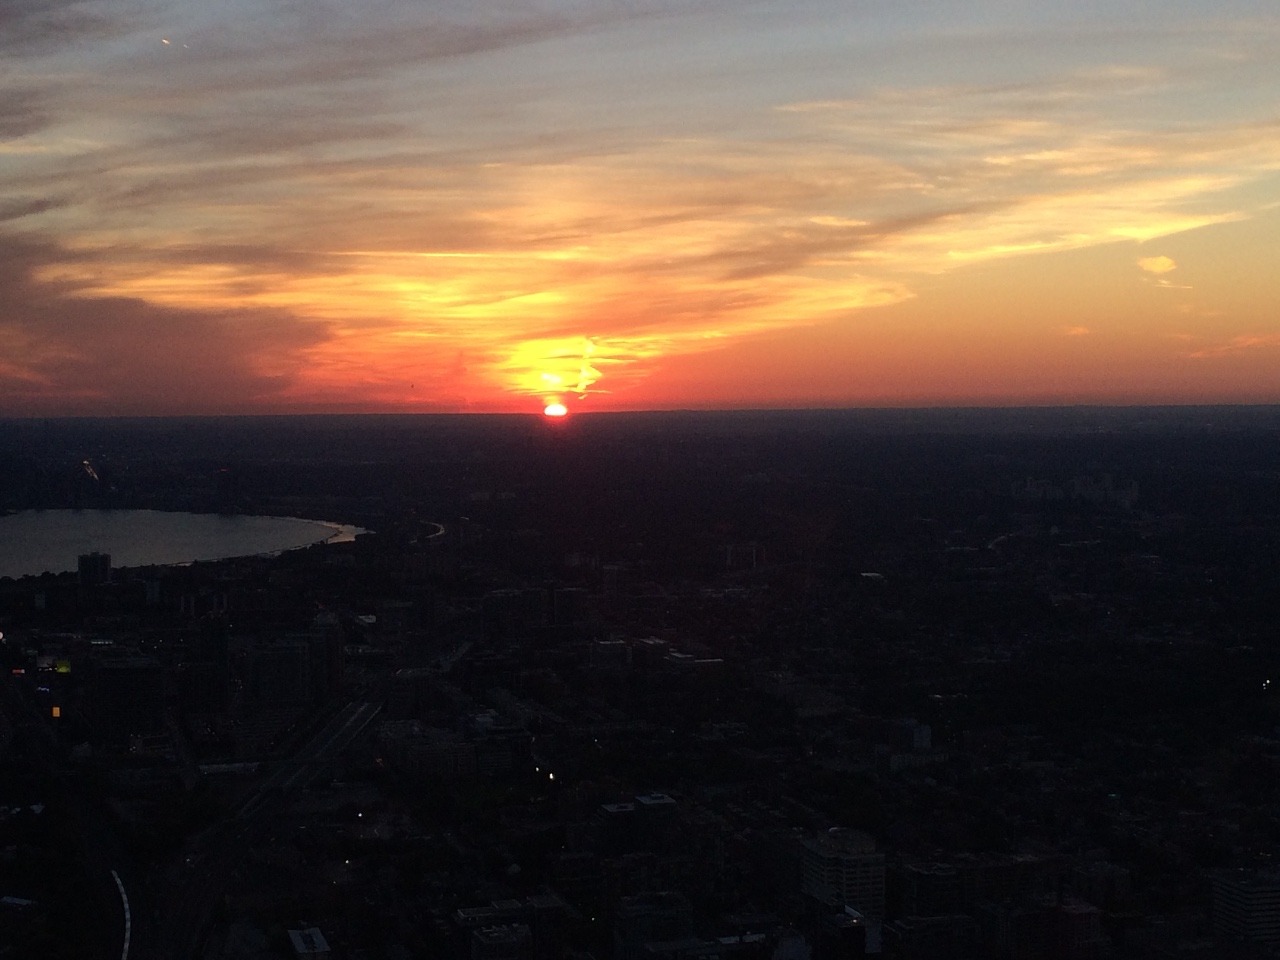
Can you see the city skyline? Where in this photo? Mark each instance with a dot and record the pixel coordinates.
(312, 207)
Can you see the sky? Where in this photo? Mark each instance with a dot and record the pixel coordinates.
(274, 206)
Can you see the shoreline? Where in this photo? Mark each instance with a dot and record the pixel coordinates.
(63, 546)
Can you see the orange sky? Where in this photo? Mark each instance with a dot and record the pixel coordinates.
(441, 207)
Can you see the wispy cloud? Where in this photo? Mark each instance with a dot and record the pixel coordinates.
(334, 195)
(34, 26)
(1157, 265)
(18, 208)
(1158, 268)
(1237, 344)
(22, 112)
(93, 354)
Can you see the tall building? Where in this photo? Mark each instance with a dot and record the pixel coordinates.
(213, 655)
(228, 490)
(1032, 929)
(615, 828)
(1246, 905)
(932, 938)
(650, 918)
(279, 674)
(309, 942)
(125, 699)
(840, 936)
(505, 941)
(841, 868)
(569, 605)
(930, 890)
(528, 929)
(657, 821)
(94, 568)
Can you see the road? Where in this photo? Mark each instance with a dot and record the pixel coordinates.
(102, 857)
(203, 873)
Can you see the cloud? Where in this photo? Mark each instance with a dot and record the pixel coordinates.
(1043, 166)
(1156, 265)
(33, 26)
(287, 49)
(69, 353)
(1238, 344)
(22, 112)
(398, 184)
(17, 209)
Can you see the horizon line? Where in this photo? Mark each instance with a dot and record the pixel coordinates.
(538, 415)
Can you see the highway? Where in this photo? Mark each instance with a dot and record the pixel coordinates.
(128, 915)
(301, 770)
(101, 853)
(169, 919)
(201, 876)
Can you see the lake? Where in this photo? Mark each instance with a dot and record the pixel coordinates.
(36, 541)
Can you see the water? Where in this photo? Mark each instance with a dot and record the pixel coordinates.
(36, 541)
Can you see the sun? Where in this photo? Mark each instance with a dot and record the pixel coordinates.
(555, 409)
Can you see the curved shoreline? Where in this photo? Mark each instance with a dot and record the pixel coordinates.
(157, 538)
(342, 532)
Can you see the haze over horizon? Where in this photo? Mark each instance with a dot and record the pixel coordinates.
(307, 206)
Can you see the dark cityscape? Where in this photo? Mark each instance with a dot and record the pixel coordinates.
(639, 480)
(811, 685)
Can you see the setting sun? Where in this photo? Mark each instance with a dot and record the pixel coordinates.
(555, 410)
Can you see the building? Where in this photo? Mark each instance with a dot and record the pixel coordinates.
(279, 674)
(1246, 905)
(514, 613)
(840, 936)
(933, 938)
(125, 699)
(657, 821)
(1079, 932)
(421, 752)
(662, 917)
(842, 868)
(503, 941)
(1016, 931)
(308, 942)
(930, 890)
(533, 928)
(569, 605)
(94, 568)
(615, 828)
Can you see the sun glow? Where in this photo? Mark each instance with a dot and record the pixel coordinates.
(393, 229)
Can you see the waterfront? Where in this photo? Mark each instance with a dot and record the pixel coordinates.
(39, 541)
